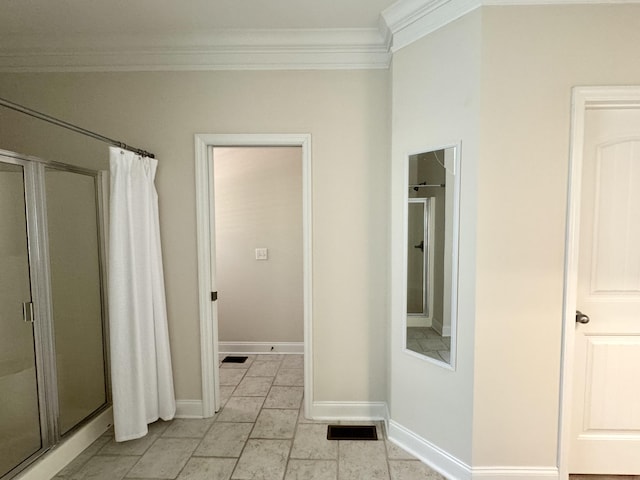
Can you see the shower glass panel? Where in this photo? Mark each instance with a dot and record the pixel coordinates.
(416, 257)
(74, 255)
(20, 435)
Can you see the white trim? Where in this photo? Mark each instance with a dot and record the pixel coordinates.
(556, 2)
(419, 321)
(399, 25)
(248, 49)
(406, 21)
(403, 13)
(410, 20)
(428, 453)
(204, 209)
(440, 328)
(66, 451)
(452, 467)
(208, 315)
(428, 256)
(514, 473)
(355, 411)
(261, 347)
(583, 98)
(188, 409)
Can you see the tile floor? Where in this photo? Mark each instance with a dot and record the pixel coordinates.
(259, 434)
(427, 341)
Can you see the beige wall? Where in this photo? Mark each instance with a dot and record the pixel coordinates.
(436, 101)
(532, 56)
(258, 204)
(347, 114)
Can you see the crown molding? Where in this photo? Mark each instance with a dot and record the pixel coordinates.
(555, 2)
(409, 20)
(399, 25)
(220, 50)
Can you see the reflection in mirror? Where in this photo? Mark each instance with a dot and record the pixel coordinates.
(431, 240)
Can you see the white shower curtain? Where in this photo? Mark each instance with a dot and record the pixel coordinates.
(141, 376)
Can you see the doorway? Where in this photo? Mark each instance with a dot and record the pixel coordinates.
(258, 245)
(205, 208)
(600, 421)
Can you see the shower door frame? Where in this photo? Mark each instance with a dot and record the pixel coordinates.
(41, 297)
(99, 181)
(428, 207)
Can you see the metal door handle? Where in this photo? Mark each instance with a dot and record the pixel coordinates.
(581, 317)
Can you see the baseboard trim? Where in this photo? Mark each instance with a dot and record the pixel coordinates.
(189, 409)
(418, 321)
(58, 458)
(515, 473)
(440, 328)
(349, 411)
(427, 452)
(261, 347)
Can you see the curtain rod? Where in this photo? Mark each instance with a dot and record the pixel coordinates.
(72, 127)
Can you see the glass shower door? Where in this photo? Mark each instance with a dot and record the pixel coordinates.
(74, 266)
(20, 434)
(416, 256)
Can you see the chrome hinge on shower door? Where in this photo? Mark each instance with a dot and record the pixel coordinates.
(27, 312)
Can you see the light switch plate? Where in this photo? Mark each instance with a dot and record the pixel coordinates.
(262, 254)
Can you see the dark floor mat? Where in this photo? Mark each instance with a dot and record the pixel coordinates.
(352, 432)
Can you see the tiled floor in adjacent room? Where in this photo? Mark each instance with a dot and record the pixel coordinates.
(429, 342)
(260, 433)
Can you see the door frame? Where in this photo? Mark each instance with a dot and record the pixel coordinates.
(583, 98)
(204, 144)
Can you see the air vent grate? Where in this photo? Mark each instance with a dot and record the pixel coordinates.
(231, 359)
(352, 432)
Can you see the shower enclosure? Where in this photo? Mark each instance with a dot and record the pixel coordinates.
(53, 368)
(418, 259)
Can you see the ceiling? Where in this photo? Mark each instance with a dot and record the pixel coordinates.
(74, 17)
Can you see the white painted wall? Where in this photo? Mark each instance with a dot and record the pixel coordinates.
(503, 77)
(531, 58)
(347, 114)
(258, 203)
(436, 94)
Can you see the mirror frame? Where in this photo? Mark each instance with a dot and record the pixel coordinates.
(453, 179)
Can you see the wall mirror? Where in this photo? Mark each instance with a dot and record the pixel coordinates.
(432, 254)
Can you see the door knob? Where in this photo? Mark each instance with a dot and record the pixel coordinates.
(581, 317)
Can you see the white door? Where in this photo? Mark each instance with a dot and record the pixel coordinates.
(606, 384)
